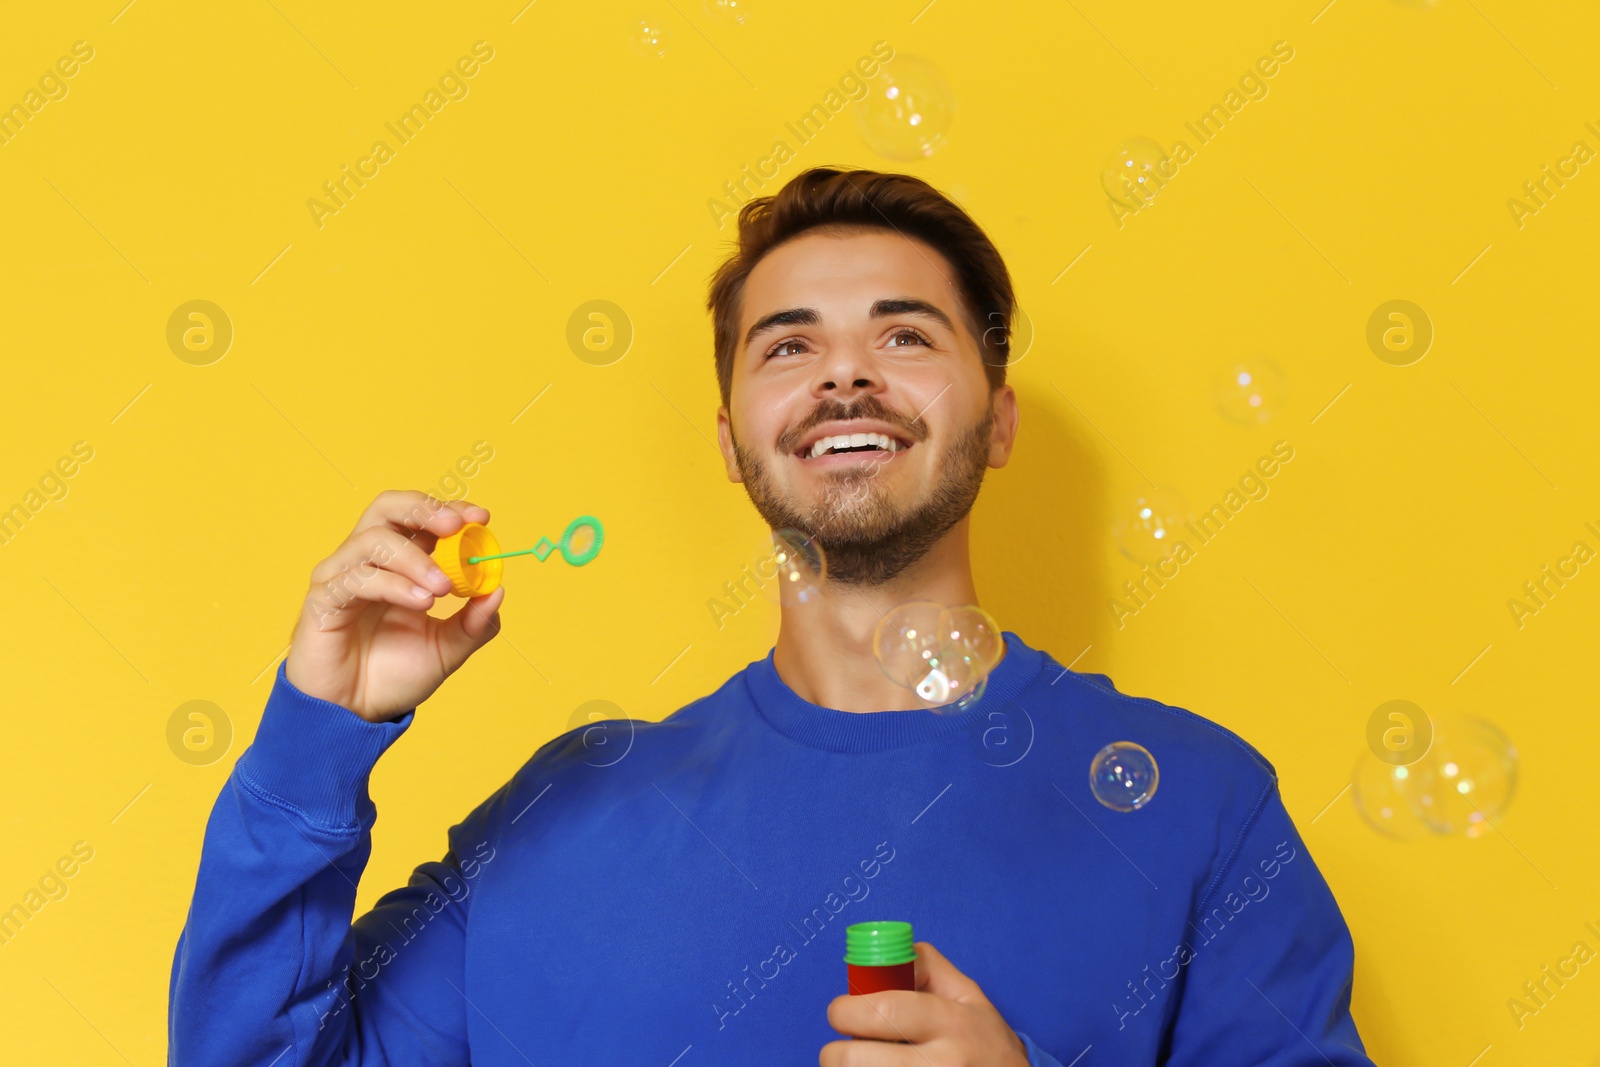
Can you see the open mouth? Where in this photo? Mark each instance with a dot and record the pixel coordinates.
(838, 446)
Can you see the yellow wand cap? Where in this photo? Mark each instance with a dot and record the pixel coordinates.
(452, 553)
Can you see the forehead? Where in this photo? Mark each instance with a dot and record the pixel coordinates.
(843, 273)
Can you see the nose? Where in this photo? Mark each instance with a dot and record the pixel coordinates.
(847, 371)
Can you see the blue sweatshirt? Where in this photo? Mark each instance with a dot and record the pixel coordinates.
(676, 893)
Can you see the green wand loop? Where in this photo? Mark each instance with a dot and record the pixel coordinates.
(542, 550)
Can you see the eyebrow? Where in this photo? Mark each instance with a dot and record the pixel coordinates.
(880, 309)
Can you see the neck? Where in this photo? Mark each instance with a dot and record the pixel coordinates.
(824, 649)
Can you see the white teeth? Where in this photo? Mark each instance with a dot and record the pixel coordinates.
(854, 440)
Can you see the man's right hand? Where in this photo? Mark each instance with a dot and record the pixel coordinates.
(365, 639)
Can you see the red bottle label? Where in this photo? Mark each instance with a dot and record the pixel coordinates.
(876, 979)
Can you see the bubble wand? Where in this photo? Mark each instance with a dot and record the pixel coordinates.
(471, 556)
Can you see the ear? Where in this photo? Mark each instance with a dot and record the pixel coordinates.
(725, 443)
(1006, 416)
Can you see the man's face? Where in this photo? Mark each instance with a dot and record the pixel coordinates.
(863, 333)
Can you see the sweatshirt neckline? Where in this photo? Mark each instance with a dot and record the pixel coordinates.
(874, 731)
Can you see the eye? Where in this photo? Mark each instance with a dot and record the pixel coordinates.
(906, 331)
(778, 349)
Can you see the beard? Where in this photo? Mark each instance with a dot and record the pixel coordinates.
(866, 537)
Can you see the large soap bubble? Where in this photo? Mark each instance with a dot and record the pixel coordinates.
(1462, 785)
(942, 654)
(1465, 782)
(908, 109)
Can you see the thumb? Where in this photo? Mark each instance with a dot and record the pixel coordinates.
(937, 975)
(469, 629)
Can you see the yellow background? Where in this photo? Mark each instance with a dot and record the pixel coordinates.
(430, 311)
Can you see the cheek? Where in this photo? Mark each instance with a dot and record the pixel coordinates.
(943, 400)
(772, 407)
(756, 423)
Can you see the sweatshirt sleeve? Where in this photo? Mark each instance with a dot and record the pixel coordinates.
(1037, 1057)
(269, 967)
(1269, 959)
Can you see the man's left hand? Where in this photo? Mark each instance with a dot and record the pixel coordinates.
(948, 1022)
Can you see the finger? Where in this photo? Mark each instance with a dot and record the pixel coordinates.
(891, 1015)
(469, 629)
(352, 588)
(386, 549)
(869, 1053)
(937, 975)
(419, 513)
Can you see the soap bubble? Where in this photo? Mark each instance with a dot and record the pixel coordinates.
(1465, 781)
(952, 692)
(908, 109)
(1383, 796)
(974, 631)
(1124, 776)
(650, 37)
(1149, 526)
(1249, 392)
(973, 694)
(734, 11)
(942, 654)
(792, 568)
(959, 672)
(1460, 786)
(1136, 172)
(906, 641)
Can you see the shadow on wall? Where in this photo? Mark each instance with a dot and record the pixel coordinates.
(1039, 532)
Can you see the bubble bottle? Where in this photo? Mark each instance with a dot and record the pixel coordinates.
(879, 956)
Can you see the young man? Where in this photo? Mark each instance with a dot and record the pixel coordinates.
(685, 904)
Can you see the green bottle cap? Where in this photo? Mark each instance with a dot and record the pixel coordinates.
(878, 944)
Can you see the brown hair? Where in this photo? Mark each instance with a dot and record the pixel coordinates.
(833, 199)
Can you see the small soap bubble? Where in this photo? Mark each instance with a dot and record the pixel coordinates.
(791, 568)
(907, 641)
(963, 696)
(954, 682)
(650, 37)
(1124, 776)
(1384, 797)
(908, 109)
(1136, 172)
(1148, 527)
(1249, 392)
(973, 694)
(734, 11)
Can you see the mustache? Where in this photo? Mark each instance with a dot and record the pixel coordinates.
(870, 407)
